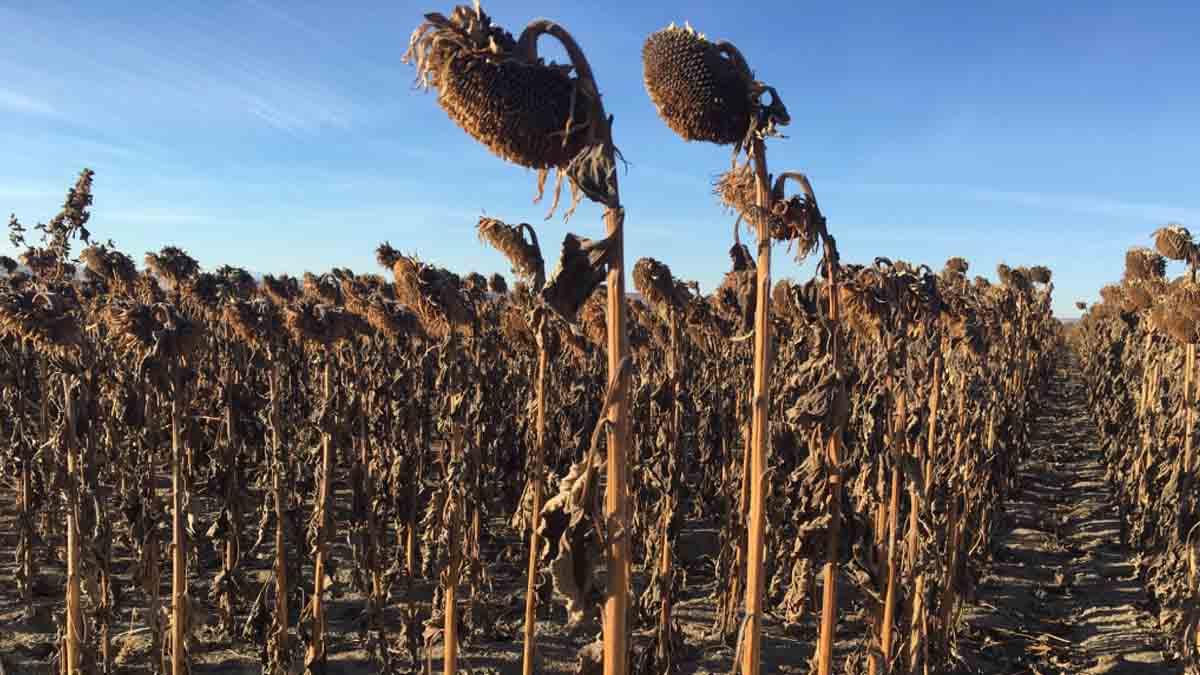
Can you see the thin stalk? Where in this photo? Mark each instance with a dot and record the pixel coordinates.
(26, 500)
(616, 507)
(151, 582)
(1189, 417)
(665, 559)
(74, 618)
(889, 602)
(454, 569)
(535, 483)
(832, 553)
(316, 650)
(179, 660)
(232, 477)
(954, 539)
(423, 442)
(376, 599)
(760, 432)
(917, 626)
(280, 629)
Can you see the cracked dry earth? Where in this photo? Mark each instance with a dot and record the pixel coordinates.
(1062, 594)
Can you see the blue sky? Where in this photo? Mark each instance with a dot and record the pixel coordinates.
(285, 137)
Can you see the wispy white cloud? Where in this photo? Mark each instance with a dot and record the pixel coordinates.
(17, 102)
(1080, 204)
(200, 67)
(1090, 204)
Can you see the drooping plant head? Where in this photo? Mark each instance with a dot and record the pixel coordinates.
(1112, 294)
(279, 290)
(662, 291)
(1141, 263)
(392, 320)
(1177, 312)
(734, 300)
(236, 283)
(110, 265)
(956, 266)
(325, 288)
(705, 91)
(46, 319)
(436, 295)
(1174, 242)
(316, 326)
(475, 287)
(524, 256)
(202, 296)
(1040, 274)
(1004, 273)
(173, 265)
(1141, 294)
(534, 114)
(497, 284)
(256, 322)
(156, 336)
(796, 219)
(1081, 305)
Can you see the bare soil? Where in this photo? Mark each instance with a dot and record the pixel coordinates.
(1063, 594)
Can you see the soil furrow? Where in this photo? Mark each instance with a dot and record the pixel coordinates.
(1062, 594)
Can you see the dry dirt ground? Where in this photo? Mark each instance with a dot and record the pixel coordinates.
(1060, 596)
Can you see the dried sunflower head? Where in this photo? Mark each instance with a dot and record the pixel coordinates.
(435, 294)
(525, 111)
(386, 256)
(1142, 294)
(792, 219)
(392, 320)
(497, 284)
(173, 265)
(45, 264)
(236, 282)
(47, 319)
(534, 114)
(654, 281)
(114, 267)
(1174, 241)
(325, 288)
(1142, 263)
(280, 290)
(202, 294)
(316, 326)
(735, 299)
(957, 266)
(256, 322)
(705, 91)
(524, 256)
(1040, 274)
(1178, 313)
(1113, 295)
(476, 285)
